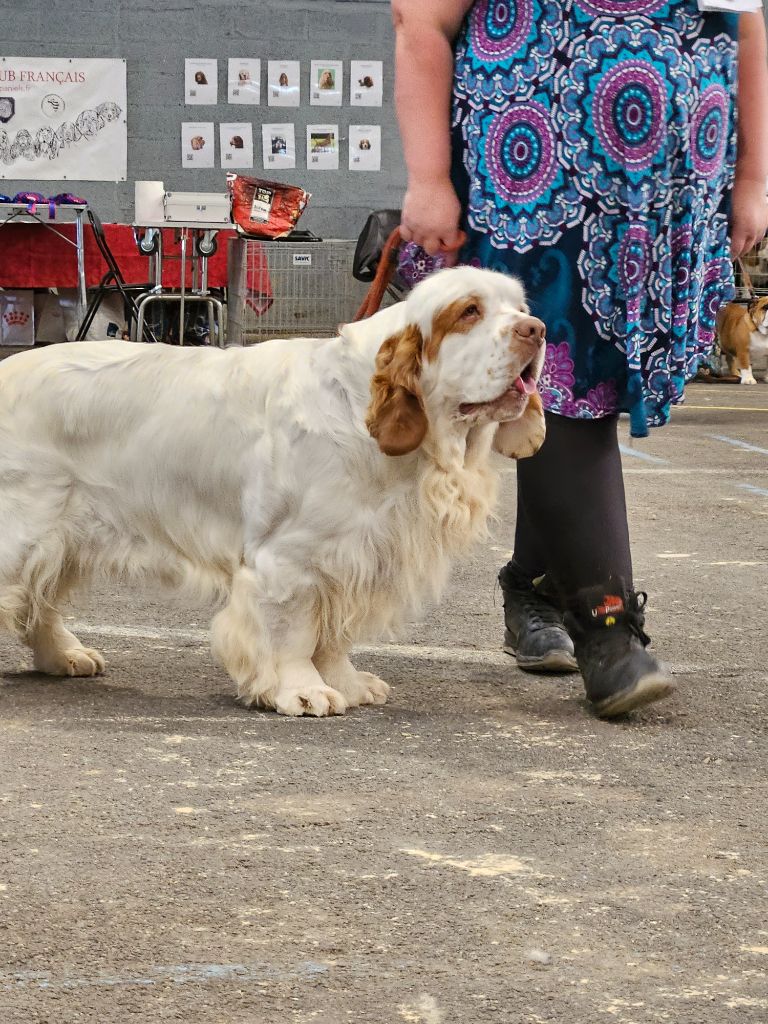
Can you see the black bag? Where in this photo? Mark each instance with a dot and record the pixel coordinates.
(371, 242)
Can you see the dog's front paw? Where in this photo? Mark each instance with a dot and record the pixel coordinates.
(747, 377)
(310, 700)
(521, 438)
(365, 688)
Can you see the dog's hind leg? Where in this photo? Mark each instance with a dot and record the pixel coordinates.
(265, 638)
(56, 651)
(34, 577)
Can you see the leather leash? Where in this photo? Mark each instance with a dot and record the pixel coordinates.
(386, 271)
(384, 274)
(747, 280)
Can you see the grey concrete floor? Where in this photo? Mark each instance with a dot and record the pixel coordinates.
(481, 849)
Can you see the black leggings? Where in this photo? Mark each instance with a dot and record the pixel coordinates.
(571, 510)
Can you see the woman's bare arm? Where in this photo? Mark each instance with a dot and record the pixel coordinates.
(749, 216)
(424, 31)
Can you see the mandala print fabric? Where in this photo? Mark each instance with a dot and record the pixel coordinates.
(594, 146)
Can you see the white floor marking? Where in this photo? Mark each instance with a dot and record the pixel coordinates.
(684, 471)
(488, 656)
(635, 454)
(736, 443)
(753, 490)
(202, 637)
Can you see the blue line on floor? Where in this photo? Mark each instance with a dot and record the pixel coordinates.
(753, 489)
(641, 455)
(738, 444)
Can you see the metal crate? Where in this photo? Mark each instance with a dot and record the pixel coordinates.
(756, 264)
(290, 289)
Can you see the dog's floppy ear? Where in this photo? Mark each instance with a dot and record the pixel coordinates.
(396, 416)
(517, 439)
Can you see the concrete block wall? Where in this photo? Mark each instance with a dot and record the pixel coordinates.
(155, 36)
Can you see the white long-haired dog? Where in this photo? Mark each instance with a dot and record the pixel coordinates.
(319, 487)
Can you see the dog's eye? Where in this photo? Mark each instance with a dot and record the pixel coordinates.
(471, 312)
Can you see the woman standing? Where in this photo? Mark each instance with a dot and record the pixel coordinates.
(589, 148)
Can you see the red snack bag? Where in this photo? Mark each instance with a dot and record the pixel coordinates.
(265, 209)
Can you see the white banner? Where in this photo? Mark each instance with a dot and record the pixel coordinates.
(63, 119)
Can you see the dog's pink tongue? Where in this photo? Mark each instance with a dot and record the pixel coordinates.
(525, 387)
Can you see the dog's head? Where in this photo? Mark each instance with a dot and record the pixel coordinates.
(470, 354)
(758, 311)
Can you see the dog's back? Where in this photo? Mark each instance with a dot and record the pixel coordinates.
(121, 457)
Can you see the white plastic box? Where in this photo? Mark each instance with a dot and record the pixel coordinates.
(17, 319)
(195, 207)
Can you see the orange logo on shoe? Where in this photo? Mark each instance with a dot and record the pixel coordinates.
(611, 603)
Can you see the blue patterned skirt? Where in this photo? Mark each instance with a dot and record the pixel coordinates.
(594, 145)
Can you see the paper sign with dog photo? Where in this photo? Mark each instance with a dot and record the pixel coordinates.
(323, 147)
(197, 146)
(326, 83)
(365, 147)
(278, 146)
(283, 83)
(201, 81)
(244, 80)
(236, 144)
(366, 83)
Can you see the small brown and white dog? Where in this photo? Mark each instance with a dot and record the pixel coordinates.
(318, 487)
(743, 335)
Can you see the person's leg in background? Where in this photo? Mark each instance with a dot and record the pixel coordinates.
(574, 527)
(533, 623)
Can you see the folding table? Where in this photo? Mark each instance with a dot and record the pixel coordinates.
(21, 213)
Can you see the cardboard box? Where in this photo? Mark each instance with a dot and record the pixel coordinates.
(17, 319)
(197, 207)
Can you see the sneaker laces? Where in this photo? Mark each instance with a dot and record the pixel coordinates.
(537, 609)
(635, 615)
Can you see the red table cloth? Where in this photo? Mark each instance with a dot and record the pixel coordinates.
(31, 256)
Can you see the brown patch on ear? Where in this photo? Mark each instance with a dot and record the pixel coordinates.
(396, 416)
(520, 438)
(452, 320)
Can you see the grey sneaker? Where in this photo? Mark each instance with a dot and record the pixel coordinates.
(534, 631)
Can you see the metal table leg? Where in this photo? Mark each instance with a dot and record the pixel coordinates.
(183, 284)
(80, 243)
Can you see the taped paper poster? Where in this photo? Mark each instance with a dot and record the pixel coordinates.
(244, 80)
(201, 81)
(326, 83)
(63, 119)
(365, 147)
(284, 83)
(236, 144)
(323, 147)
(279, 146)
(366, 83)
(197, 145)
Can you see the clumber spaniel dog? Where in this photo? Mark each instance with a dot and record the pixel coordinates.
(318, 487)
